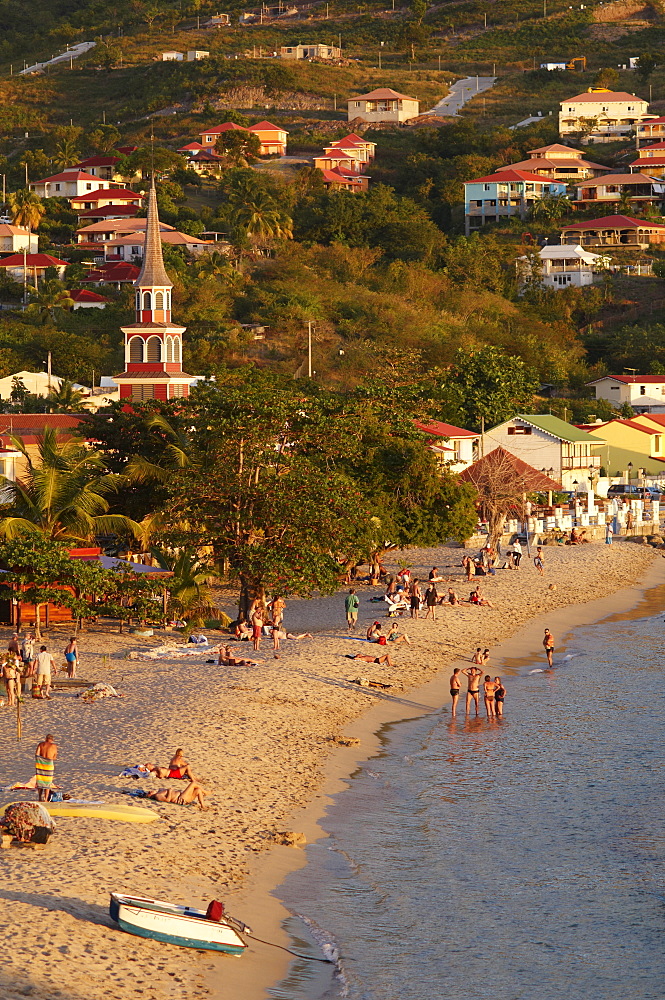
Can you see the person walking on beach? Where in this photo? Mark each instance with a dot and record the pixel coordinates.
(548, 645)
(45, 757)
(473, 675)
(609, 532)
(351, 604)
(538, 560)
(11, 677)
(45, 669)
(517, 553)
(499, 695)
(72, 656)
(455, 686)
(431, 600)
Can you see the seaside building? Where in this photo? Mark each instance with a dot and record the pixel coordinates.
(310, 52)
(153, 344)
(629, 441)
(547, 442)
(454, 447)
(645, 393)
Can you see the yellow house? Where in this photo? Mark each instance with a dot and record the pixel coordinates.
(635, 441)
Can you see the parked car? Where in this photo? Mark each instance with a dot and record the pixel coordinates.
(623, 490)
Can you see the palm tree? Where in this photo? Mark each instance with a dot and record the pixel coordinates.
(550, 208)
(259, 217)
(213, 265)
(63, 494)
(190, 594)
(50, 297)
(26, 208)
(65, 399)
(66, 154)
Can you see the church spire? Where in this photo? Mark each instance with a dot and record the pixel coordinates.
(153, 273)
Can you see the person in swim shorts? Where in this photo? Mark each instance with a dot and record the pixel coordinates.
(548, 646)
(72, 656)
(455, 687)
(473, 675)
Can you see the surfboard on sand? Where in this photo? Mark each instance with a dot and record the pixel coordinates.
(100, 810)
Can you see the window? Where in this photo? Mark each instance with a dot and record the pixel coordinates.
(176, 349)
(614, 388)
(88, 187)
(138, 300)
(643, 390)
(140, 392)
(169, 348)
(136, 349)
(657, 442)
(177, 391)
(135, 251)
(487, 187)
(147, 300)
(154, 349)
(519, 430)
(159, 300)
(57, 187)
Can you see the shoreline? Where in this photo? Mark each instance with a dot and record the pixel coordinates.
(272, 868)
(262, 739)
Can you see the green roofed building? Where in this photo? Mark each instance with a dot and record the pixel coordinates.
(546, 443)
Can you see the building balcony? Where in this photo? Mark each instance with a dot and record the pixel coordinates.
(580, 463)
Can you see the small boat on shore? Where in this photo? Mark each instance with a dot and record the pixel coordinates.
(210, 929)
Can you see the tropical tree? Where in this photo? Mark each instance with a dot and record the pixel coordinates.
(260, 218)
(488, 386)
(63, 494)
(103, 138)
(66, 153)
(190, 594)
(238, 147)
(65, 399)
(26, 208)
(213, 266)
(48, 300)
(550, 208)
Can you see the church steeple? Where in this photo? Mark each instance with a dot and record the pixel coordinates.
(153, 285)
(153, 344)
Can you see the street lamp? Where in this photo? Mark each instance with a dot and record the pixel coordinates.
(630, 469)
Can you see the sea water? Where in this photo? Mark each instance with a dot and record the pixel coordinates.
(522, 859)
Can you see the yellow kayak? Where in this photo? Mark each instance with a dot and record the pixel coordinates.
(100, 810)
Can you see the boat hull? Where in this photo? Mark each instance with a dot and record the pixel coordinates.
(182, 926)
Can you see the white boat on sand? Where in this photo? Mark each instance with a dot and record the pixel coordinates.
(210, 929)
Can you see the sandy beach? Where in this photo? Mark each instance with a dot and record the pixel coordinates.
(259, 738)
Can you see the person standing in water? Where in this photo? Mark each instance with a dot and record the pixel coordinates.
(455, 686)
(548, 646)
(499, 696)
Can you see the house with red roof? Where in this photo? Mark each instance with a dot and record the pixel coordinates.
(645, 393)
(16, 239)
(354, 146)
(337, 160)
(610, 113)
(116, 273)
(105, 196)
(89, 216)
(337, 179)
(614, 231)
(83, 298)
(32, 266)
(111, 229)
(67, 184)
(650, 160)
(650, 129)
(272, 138)
(505, 193)
(210, 136)
(454, 447)
(559, 162)
(102, 165)
(639, 188)
(383, 105)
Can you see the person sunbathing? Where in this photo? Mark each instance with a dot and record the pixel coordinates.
(242, 631)
(178, 768)
(371, 659)
(393, 635)
(226, 659)
(193, 792)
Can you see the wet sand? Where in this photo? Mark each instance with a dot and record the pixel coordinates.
(261, 739)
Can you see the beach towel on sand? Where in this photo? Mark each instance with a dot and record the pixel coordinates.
(44, 769)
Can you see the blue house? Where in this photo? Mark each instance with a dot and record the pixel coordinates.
(506, 193)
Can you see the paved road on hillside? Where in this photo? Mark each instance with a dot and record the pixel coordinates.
(461, 92)
(73, 52)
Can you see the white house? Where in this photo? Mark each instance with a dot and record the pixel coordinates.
(15, 239)
(37, 383)
(561, 266)
(83, 298)
(608, 114)
(313, 51)
(172, 56)
(563, 451)
(453, 446)
(68, 184)
(383, 105)
(645, 393)
(193, 55)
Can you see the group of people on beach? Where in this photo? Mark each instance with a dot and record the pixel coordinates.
(494, 691)
(23, 659)
(266, 620)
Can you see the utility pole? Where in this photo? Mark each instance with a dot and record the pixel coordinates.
(482, 437)
(326, 12)
(25, 275)
(48, 369)
(26, 173)
(544, 8)
(439, 64)
(380, 64)
(4, 188)
(485, 16)
(309, 348)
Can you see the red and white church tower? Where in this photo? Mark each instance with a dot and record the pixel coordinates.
(153, 344)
